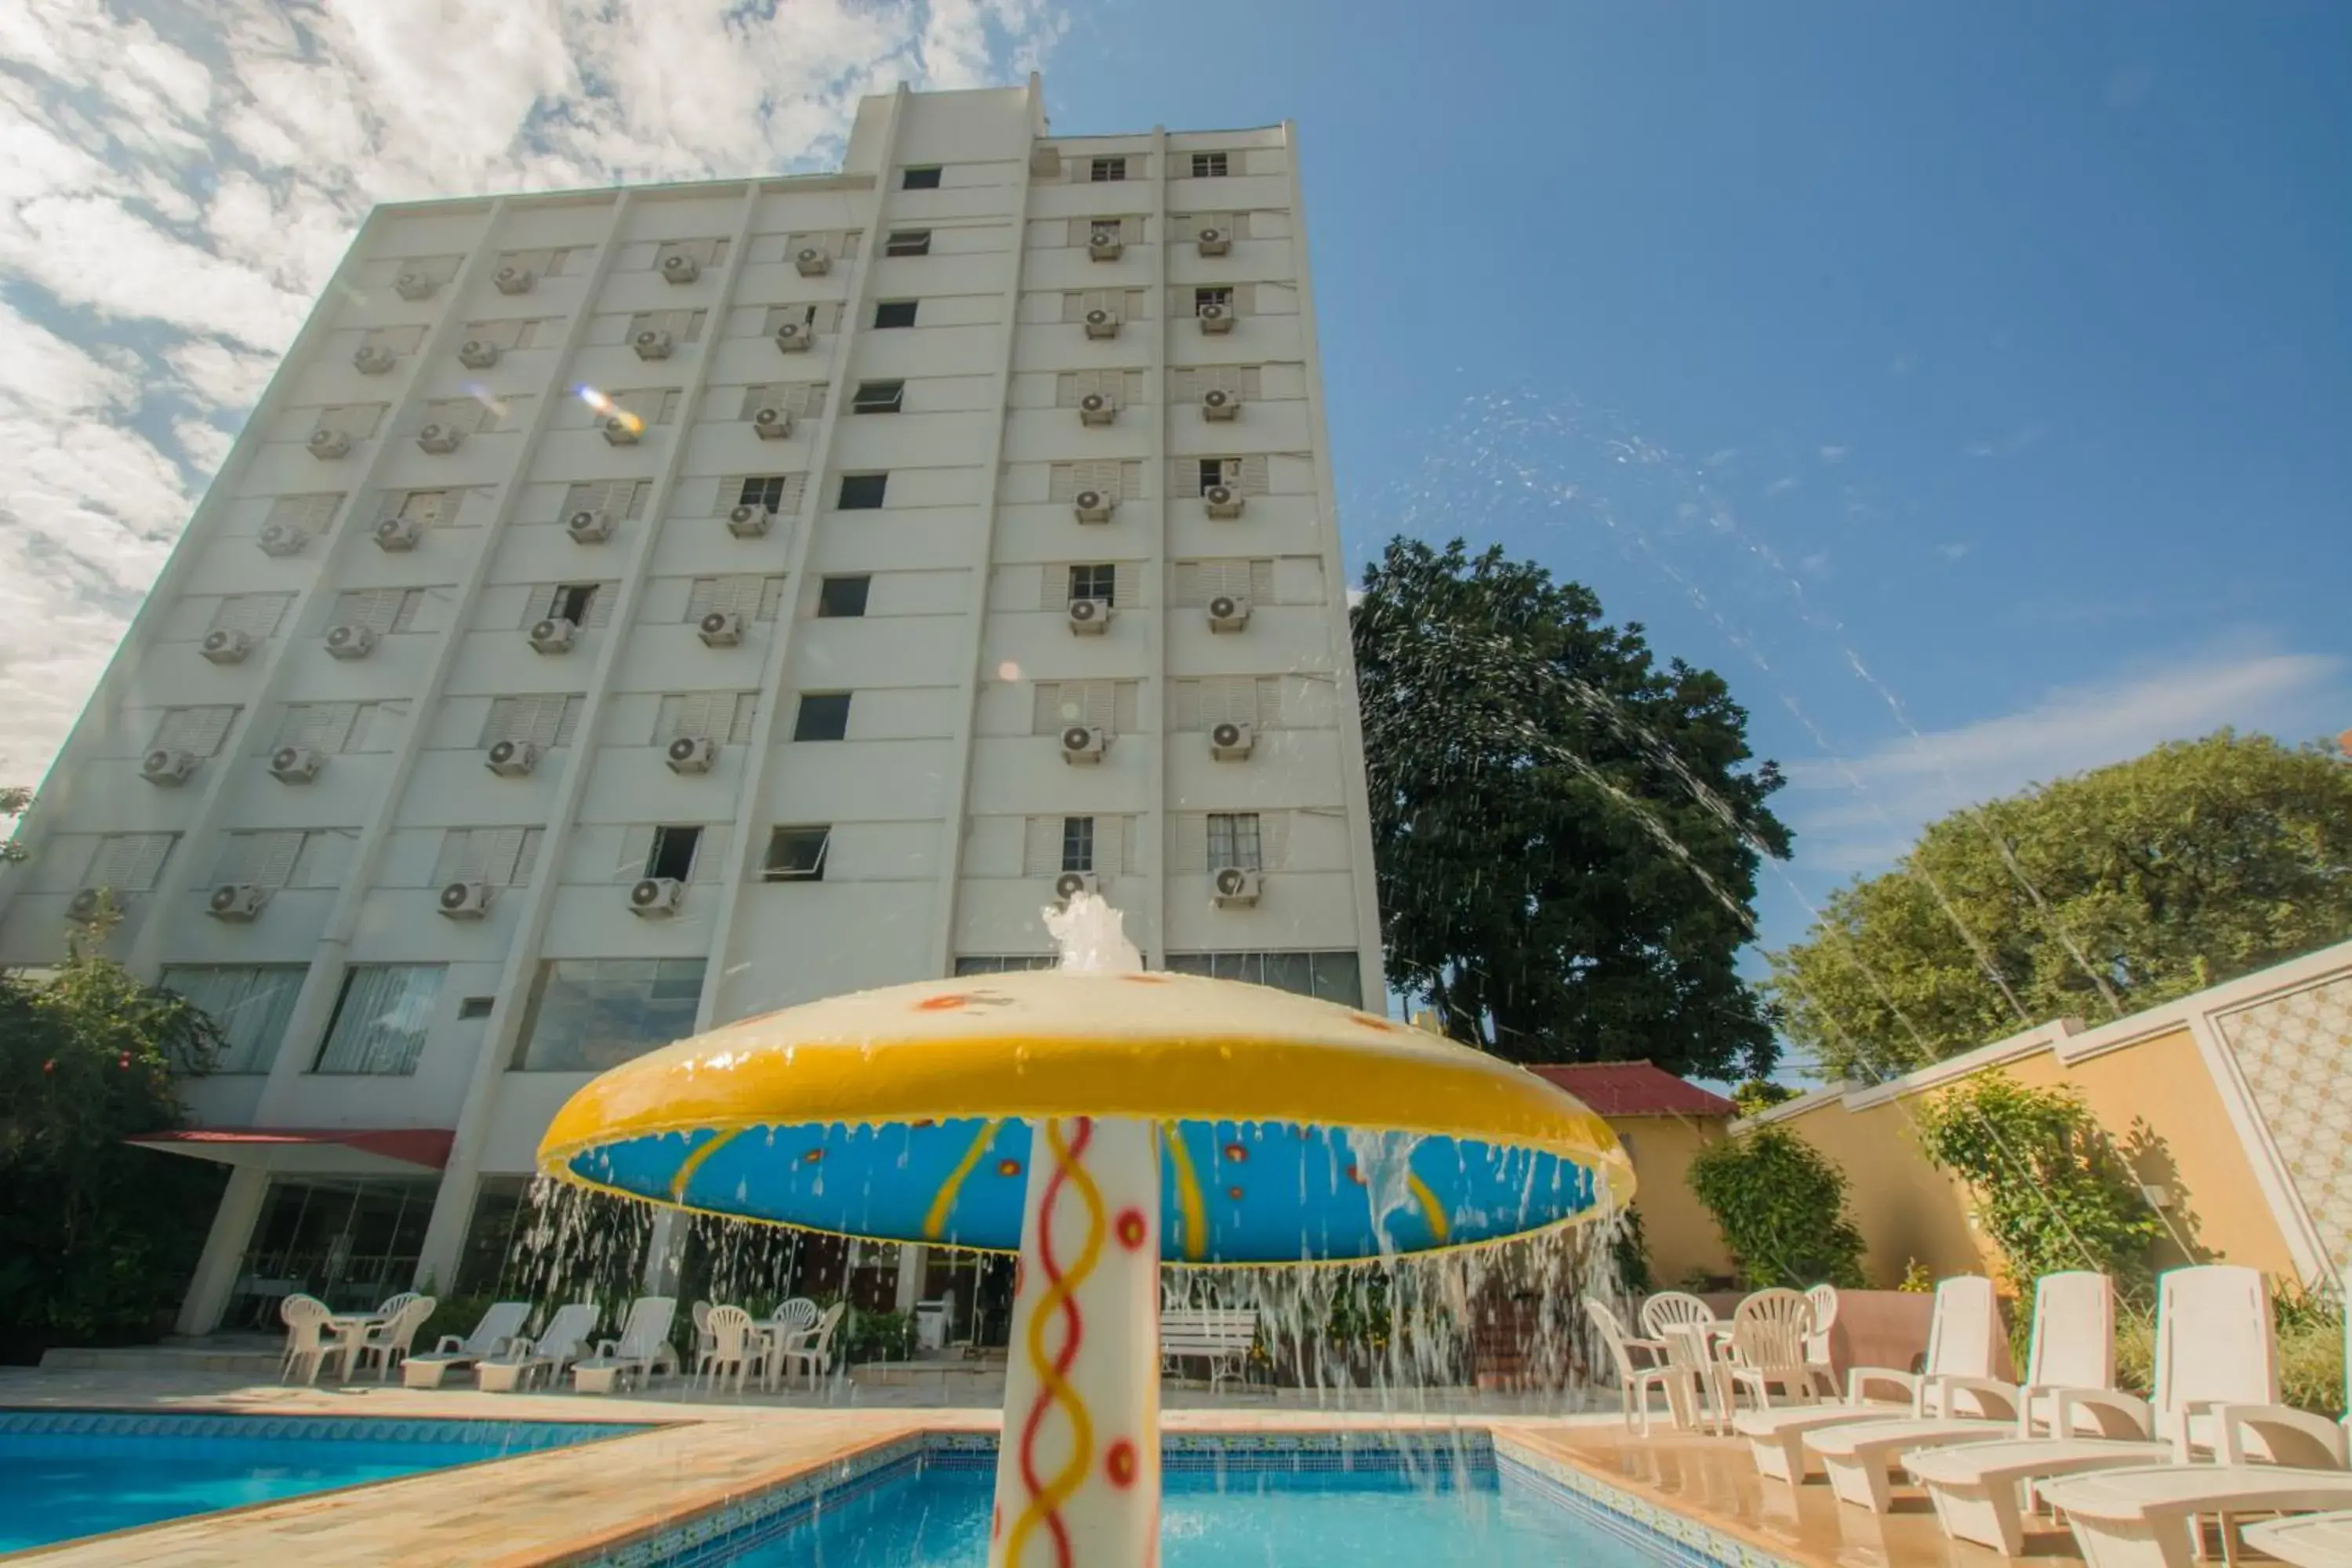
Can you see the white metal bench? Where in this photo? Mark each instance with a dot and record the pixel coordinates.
(1221, 1339)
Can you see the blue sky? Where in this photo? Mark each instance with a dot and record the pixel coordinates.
(1968, 382)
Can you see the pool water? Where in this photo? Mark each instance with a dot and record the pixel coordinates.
(71, 1475)
(1296, 1519)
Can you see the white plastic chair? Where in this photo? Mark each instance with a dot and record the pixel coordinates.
(817, 1349)
(306, 1346)
(1676, 1381)
(1824, 1298)
(789, 1326)
(731, 1346)
(388, 1341)
(1769, 1331)
(1674, 1310)
(501, 1325)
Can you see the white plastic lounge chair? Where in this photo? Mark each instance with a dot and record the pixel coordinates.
(1637, 1379)
(386, 1344)
(500, 1326)
(2074, 1349)
(1674, 1308)
(636, 1353)
(1768, 1332)
(2308, 1540)
(2214, 1345)
(2149, 1518)
(306, 1346)
(815, 1350)
(1963, 1339)
(561, 1342)
(1824, 1298)
(732, 1346)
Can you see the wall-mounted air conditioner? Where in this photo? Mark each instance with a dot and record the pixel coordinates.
(1218, 404)
(1070, 884)
(680, 268)
(1101, 323)
(720, 629)
(691, 755)
(771, 422)
(296, 764)
(1231, 742)
(1228, 612)
(1094, 506)
(413, 283)
(1094, 408)
(554, 635)
(1105, 244)
(812, 261)
(238, 901)
(374, 359)
(477, 353)
(1088, 617)
(328, 444)
(228, 646)
(652, 345)
(588, 525)
(512, 759)
(1236, 886)
(1084, 743)
(750, 521)
(1223, 500)
(350, 642)
(657, 897)
(465, 901)
(282, 539)
(397, 533)
(1214, 241)
(512, 280)
(440, 439)
(1215, 318)
(168, 766)
(792, 337)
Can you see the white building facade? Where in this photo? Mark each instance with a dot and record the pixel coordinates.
(628, 611)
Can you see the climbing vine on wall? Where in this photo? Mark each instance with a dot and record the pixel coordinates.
(1780, 1204)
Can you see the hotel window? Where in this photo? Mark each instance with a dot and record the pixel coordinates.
(1077, 844)
(823, 716)
(1330, 976)
(1233, 840)
(863, 492)
(926, 178)
(796, 855)
(381, 1019)
(894, 312)
(907, 242)
(250, 1002)
(1099, 580)
(1102, 171)
(589, 1013)
(843, 598)
(1210, 165)
(879, 397)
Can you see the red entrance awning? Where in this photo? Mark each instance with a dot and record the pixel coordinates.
(426, 1147)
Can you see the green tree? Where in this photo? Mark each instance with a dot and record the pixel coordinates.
(95, 1235)
(2096, 895)
(1780, 1205)
(1566, 833)
(1759, 1095)
(15, 801)
(2052, 1193)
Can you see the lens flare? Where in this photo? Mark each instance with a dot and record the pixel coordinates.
(607, 408)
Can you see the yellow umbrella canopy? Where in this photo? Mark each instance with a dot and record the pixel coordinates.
(1293, 1129)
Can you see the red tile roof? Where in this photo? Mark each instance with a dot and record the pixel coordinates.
(1634, 1089)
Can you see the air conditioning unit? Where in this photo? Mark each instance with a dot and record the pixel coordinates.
(328, 444)
(282, 539)
(350, 642)
(1070, 884)
(1089, 617)
(554, 635)
(720, 629)
(812, 261)
(477, 353)
(792, 337)
(1214, 241)
(1228, 612)
(512, 759)
(512, 280)
(84, 906)
(465, 901)
(680, 268)
(1101, 323)
(440, 439)
(1215, 318)
(228, 646)
(622, 429)
(1094, 408)
(296, 764)
(1105, 244)
(164, 765)
(1234, 887)
(1231, 743)
(652, 345)
(749, 522)
(413, 283)
(374, 359)
(1084, 743)
(691, 755)
(235, 901)
(771, 422)
(1223, 500)
(398, 533)
(657, 897)
(588, 525)
(1218, 404)
(1094, 506)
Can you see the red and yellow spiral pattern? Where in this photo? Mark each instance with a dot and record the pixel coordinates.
(1053, 1390)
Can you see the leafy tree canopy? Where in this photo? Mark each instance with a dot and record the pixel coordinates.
(1566, 833)
(2093, 897)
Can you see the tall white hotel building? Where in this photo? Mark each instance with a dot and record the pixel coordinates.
(631, 610)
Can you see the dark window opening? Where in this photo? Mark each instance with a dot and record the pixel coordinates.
(673, 853)
(476, 1007)
(894, 312)
(863, 492)
(796, 854)
(574, 601)
(763, 491)
(1209, 165)
(879, 397)
(1212, 297)
(1095, 581)
(907, 242)
(1102, 170)
(823, 716)
(922, 179)
(843, 598)
(1213, 472)
(1077, 844)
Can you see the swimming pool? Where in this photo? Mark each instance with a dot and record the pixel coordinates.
(1362, 1499)
(68, 1474)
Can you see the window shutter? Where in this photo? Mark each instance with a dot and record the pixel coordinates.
(1189, 700)
(636, 849)
(411, 605)
(544, 721)
(710, 854)
(311, 513)
(1253, 473)
(1274, 840)
(772, 597)
(255, 614)
(526, 858)
(462, 413)
(1189, 850)
(323, 726)
(264, 859)
(746, 713)
(1061, 481)
(456, 859)
(197, 730)
(129, 862)
(701, 598)
(1041, 852)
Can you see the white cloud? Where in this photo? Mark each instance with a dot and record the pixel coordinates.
(1835, 453)
(178, 179)
(1859, 813)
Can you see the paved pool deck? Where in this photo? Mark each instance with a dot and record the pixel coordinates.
(565, 1506)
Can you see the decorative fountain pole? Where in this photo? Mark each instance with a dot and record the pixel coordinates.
(1028, 1112)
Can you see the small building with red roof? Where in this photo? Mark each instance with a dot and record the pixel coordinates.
(1663, 1122)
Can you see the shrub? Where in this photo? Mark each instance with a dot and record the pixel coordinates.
(2050, 1192)
(2310, 1351)
(1780, 1205)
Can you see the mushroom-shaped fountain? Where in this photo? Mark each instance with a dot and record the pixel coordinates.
(1101, 1121)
